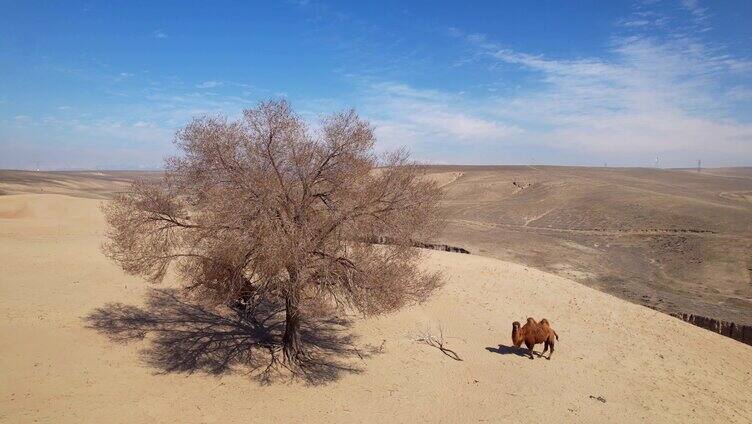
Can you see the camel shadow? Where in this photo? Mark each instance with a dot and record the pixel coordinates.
(508, 350)
(186, 337)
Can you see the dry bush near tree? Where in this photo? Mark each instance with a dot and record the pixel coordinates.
(438, 342)
(266, 210)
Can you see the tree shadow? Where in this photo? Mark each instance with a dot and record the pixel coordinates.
(508, 350)
(186, 337)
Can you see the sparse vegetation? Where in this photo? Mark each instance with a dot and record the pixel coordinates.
(438, 342)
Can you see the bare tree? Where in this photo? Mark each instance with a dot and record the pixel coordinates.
(264, 209)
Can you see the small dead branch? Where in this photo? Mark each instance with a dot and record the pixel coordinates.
(357, 352)
(438, 343)
(370, 350)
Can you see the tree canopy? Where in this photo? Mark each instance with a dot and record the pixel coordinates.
(266, 209)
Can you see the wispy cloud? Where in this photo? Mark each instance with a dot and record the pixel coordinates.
(122, 76)
(134, 130)
(654, 95)
(643, 19)
(699, 13)
(408, 115)
(158, 33)
(210, 84)
(651, 93)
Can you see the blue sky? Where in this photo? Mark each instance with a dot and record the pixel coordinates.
(106, 84)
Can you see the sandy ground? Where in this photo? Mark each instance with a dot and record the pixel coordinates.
(645, 366)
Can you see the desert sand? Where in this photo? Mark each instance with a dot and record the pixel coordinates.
(616, 361)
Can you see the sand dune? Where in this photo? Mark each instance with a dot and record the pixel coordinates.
(648, 367)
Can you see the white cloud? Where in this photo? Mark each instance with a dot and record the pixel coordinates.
(693, 7)
(404, 115)
(648, 95)
(122, 76)
(636, 23)
(158, 33)
(740, 94)
(209, 84)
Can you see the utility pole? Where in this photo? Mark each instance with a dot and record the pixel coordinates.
(699, 165)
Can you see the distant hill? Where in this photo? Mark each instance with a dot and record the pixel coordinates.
(88, 184)
(679, 241)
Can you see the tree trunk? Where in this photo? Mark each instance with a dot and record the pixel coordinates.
(291, 343)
